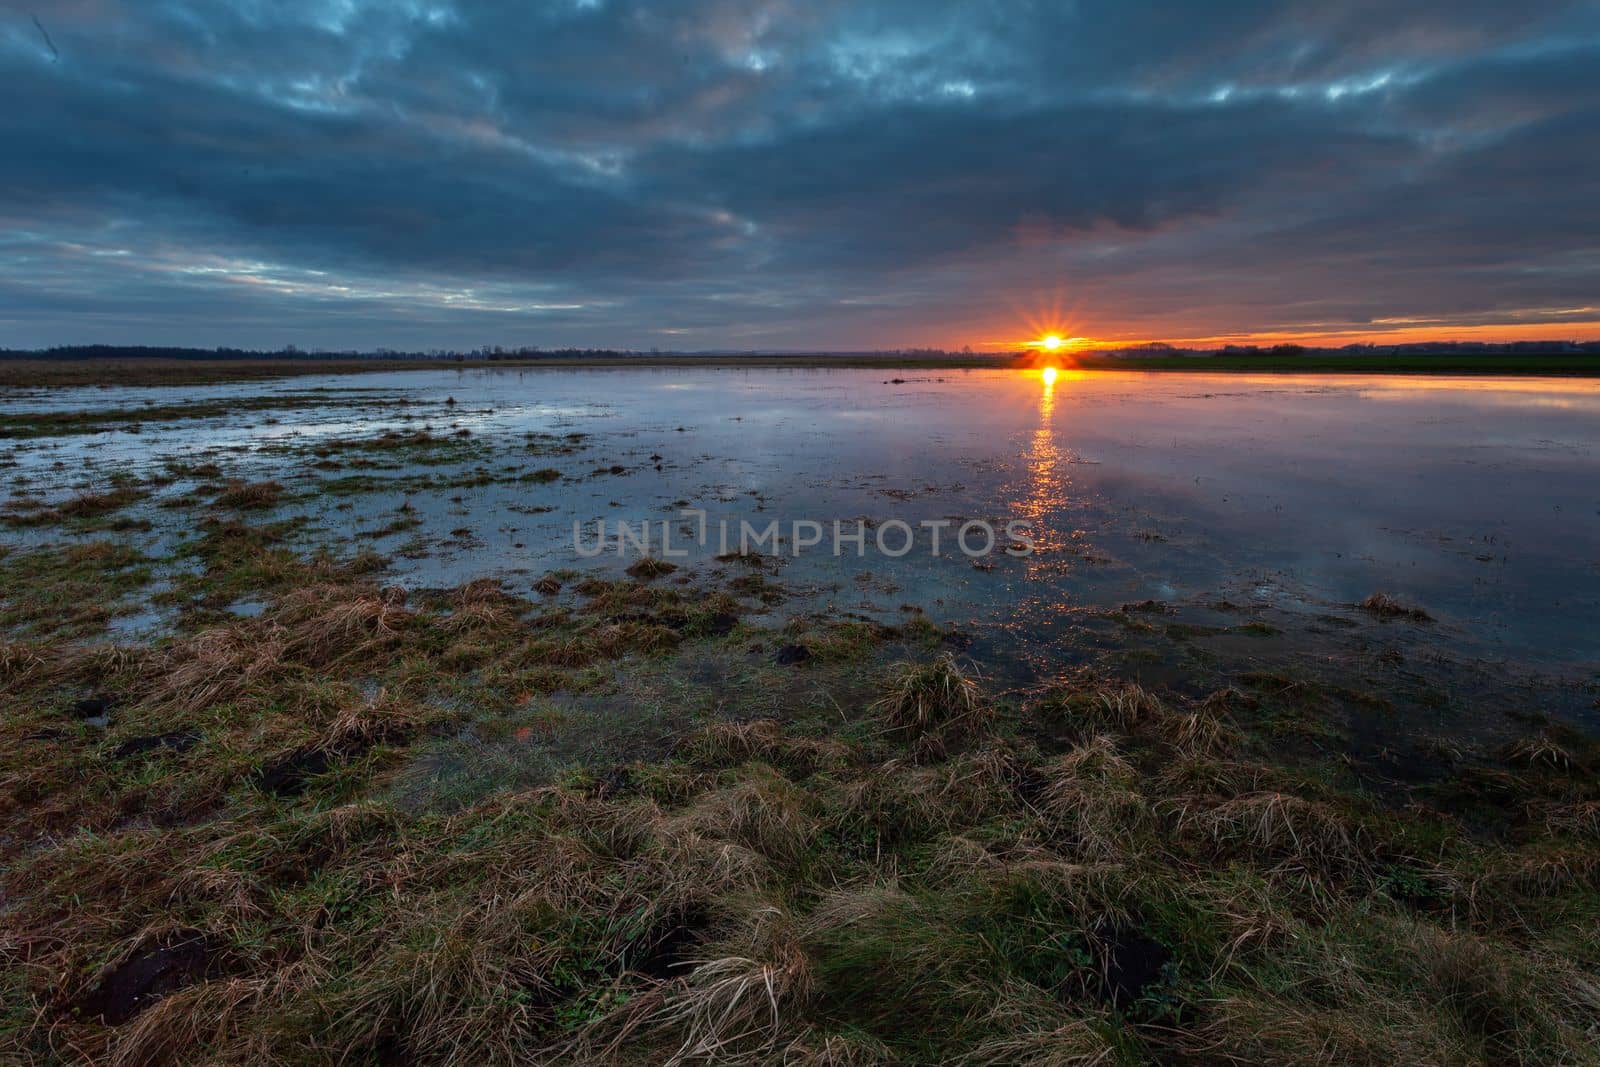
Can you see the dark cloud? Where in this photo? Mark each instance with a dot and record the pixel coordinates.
(786, 173)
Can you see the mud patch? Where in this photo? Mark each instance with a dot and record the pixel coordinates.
(171, 742)
(667, 951)
(720, 624)
(290, 776)
(145, 977)
(1132, 964)
(93, 708)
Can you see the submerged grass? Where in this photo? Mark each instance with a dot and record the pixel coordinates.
(69, 591)
(1387, 607)
(33, 424)
(611, 824)
(85, 510)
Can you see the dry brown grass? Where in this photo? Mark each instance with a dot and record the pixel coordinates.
(1074, 1043)
(1090, 797)
(1580, 819)
(650, 567)
(217, 666)
(90, 505)
(1128, 706)
(17, 659)
(1202, 731)
(483, 605)
(1122, 707)
(815, 1048)
(730, 743)
(759, 891)
(936, 698)
(249, 496)
(1257, 1029)
(1305, 834)
(743, 1001)
(1543, 751)
(1541, 871)
(323, 625)
(764, 813)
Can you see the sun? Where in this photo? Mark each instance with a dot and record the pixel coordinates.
(1051, 343)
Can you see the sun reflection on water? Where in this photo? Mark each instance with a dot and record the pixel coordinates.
(1046, 488)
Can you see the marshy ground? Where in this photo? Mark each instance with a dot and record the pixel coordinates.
(275, 787)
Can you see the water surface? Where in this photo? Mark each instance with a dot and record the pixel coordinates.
(1476, 499)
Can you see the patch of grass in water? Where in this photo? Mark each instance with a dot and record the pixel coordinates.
(69, 591)
(84, 511)
(1385, 606)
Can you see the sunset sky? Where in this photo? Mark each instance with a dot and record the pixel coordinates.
(796, 174)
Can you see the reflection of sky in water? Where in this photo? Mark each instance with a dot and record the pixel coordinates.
(1477, 499)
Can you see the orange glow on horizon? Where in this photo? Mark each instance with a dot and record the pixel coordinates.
(1051, 342)
(1062, 321)
(1395, 333)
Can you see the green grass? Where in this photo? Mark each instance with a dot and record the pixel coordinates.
(69, 591)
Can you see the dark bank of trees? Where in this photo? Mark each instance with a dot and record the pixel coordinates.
(86, 352)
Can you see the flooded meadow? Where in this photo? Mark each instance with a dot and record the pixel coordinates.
(339, 731)
(1218, 501)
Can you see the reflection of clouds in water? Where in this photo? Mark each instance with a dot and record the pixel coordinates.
(1508, 402)
(1563, 394)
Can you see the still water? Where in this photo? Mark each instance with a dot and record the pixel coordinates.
(1476, 499)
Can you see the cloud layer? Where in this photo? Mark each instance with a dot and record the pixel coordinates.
(788, 174)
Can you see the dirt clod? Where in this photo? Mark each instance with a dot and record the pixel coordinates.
(791, 655)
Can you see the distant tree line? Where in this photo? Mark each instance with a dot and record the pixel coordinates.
(491, 353)
(70, 352)
(494, 353)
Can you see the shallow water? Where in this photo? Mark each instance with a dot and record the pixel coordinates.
(1476, 499)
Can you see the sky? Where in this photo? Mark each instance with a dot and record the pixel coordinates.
(796, 174)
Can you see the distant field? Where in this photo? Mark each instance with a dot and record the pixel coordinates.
(30, 373)
(33, 373)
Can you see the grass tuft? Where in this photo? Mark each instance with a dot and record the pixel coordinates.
(249, 496)
(936, 698)
(650, 567)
